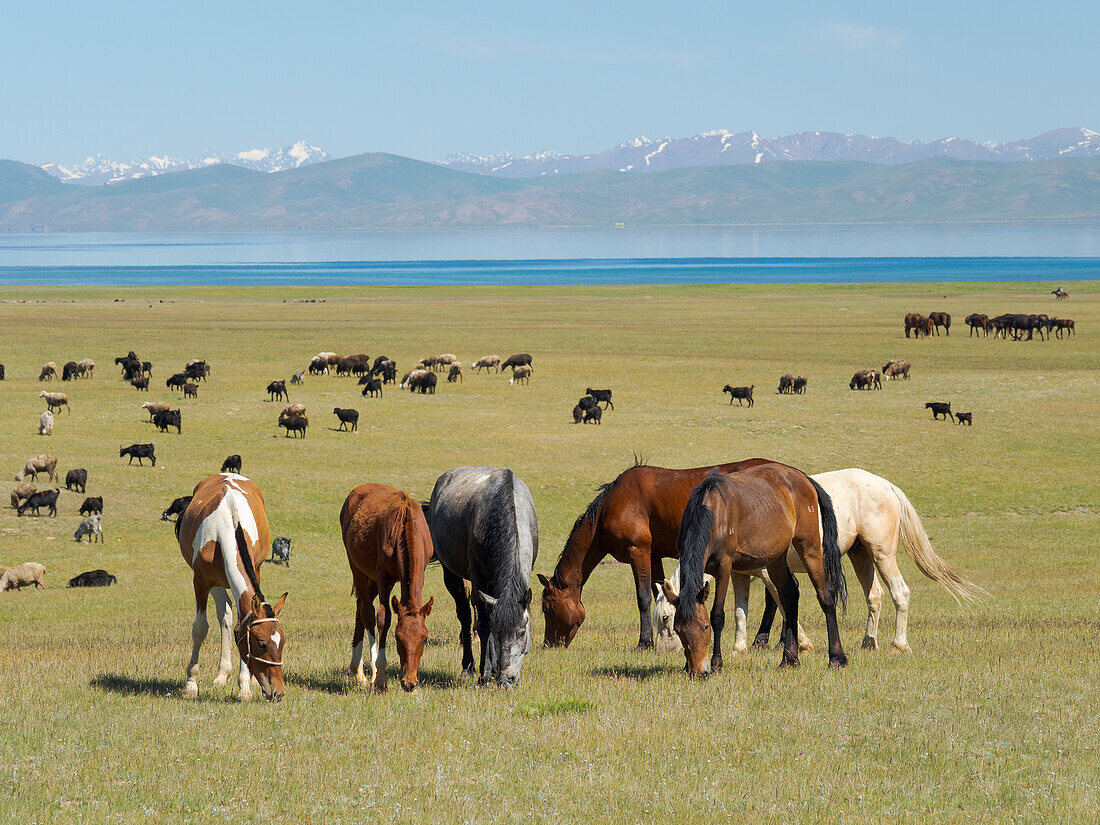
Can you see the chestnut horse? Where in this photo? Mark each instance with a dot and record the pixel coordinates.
(388, 543)
(634, 519)
(223, 536)
(742, 522)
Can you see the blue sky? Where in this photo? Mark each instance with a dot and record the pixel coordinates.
(427, 78)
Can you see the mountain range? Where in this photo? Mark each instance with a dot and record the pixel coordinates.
(377, 191)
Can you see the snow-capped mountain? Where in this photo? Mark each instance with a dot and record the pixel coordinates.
(96, 169)
(723, 148)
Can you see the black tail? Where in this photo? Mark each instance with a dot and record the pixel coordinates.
(834, 572)
(693, 541)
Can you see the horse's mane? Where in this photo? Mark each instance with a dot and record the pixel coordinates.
(406, 529)
(509, 585)
(592, 511)
(693, 541)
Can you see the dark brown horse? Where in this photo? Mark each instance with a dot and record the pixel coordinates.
(634, 519)
(914, 321)
(745, 521)
(941, 319)
(388, 543)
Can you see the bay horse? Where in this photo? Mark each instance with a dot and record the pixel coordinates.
(388, 543)
(223, 536)
(634, 519)
(485, 531)
(742, 522)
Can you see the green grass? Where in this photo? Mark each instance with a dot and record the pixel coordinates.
(991, 718)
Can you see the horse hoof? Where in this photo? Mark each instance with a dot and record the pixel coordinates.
(786, 663)
(221, 679)
(760, 642)
(244, 696)
(191, 691)
(838, 663)
(870, 643)
(904, 648)
(644, 646)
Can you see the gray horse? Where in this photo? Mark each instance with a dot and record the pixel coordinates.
(484, 530)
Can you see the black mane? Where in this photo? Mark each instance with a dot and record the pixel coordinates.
(694, 540)
(509, 586)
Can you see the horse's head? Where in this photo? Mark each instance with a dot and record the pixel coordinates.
(564, 613)
(411, 635)
(509, 638)
(692, 625)
(664, 612)
(260, 641)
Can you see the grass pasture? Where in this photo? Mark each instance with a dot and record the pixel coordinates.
(993, 717)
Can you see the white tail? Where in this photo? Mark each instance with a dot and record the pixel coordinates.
(915, 541)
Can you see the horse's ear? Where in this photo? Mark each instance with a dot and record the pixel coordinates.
(395, 604)
(257, 605)
(426, 610)
(704, 594)
(656, 590)
(279, 605)
(527, 598)
(545, 581)
(670, 594)
(485, 598)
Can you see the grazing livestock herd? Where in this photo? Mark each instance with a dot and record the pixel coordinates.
(1015, 325)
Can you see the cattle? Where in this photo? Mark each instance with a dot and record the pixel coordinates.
(43, 498)
(520, 375)
(169, 418)
(138, 451)
(965, 418)
(20, 492)
(578, 414)
(92, 504)
(292, 410)
(454, 373)
(593, 415)
(68, 372)
(22, 575)
(372, 387)
(786, 384)
(603, 396)
(423, 382)
(176, 508)
(800, 385)
(190, 390)
(940, 319)
(45, 423)
(232, 464)
(298, 377)
(318, 366)
(896, 368)
(76, 480)
(280, 550)
(92, 527)
(140, 384)
(487, 362)
(93, 578)
(49, 371)
(154, 407)
(277, 391)
(44, 463)
(740, 393)
(347, 416)
(866, 380)
(521, 359)
(294, 424)
(55, 400)
(939, 408)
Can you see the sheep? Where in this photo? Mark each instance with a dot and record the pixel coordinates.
(18, 577)
(68, 372)
(45, 423)
(280, 550)
(786, 384)
(140, 384)
(292, 411)
(44, 463)
(23, 491)
(446, 359)
(85, 368)
(49, 371)
(896, 368)
(521, 359)
(595, 414)
(55, 400)
(92, 504)
(277, 390)
(347, 416)
(93, 578)
(578, 414)
(409, 376)
(294, 424)
(190, 390)
(232, 464)
(92, 527)
(520, 375)
(425, 382)
(487, 362)
(154, 407)
(318, 366)
(76, 480)
(800, 385)
(297, 377)
(965, 418)
(454, 373)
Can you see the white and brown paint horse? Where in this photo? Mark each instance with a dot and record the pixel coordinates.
(223, 536)
(872, 516)
(388, 543)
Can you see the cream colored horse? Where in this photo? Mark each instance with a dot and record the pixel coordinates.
(872, 516)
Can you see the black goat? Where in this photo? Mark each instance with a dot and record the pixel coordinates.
(347, 417)
(940, 408)
(176, 508)
(739, 393)
(138, 451)
(168, 418)
(76, 480)
(232, 464)
(92, 504)
(93, 578)
(601, 395)
(43, 498)
(294, 424)
(371, 387)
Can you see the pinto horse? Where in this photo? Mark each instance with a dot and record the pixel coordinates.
(388, 543)
(634, 519)
(223, 536)
(742, 522)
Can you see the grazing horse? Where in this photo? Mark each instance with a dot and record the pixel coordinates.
(388, 543)
(223, 536)
(941, 319)
(743, 522)
(634, 519)
(485, 531)
(914, 321)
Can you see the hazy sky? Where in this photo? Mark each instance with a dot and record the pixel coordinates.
(428, 78)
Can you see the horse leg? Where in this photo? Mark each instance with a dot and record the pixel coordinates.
(810, 552)
(378, 648)
(198, 634)
(484, 614)
(718, 616)
(766, 618)
(887, 564)
(865, 571)
(365, 591)
(457, 588)
(804, 643)
(640, 567)
(224, 607)
(740, 612)
(786, 586)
